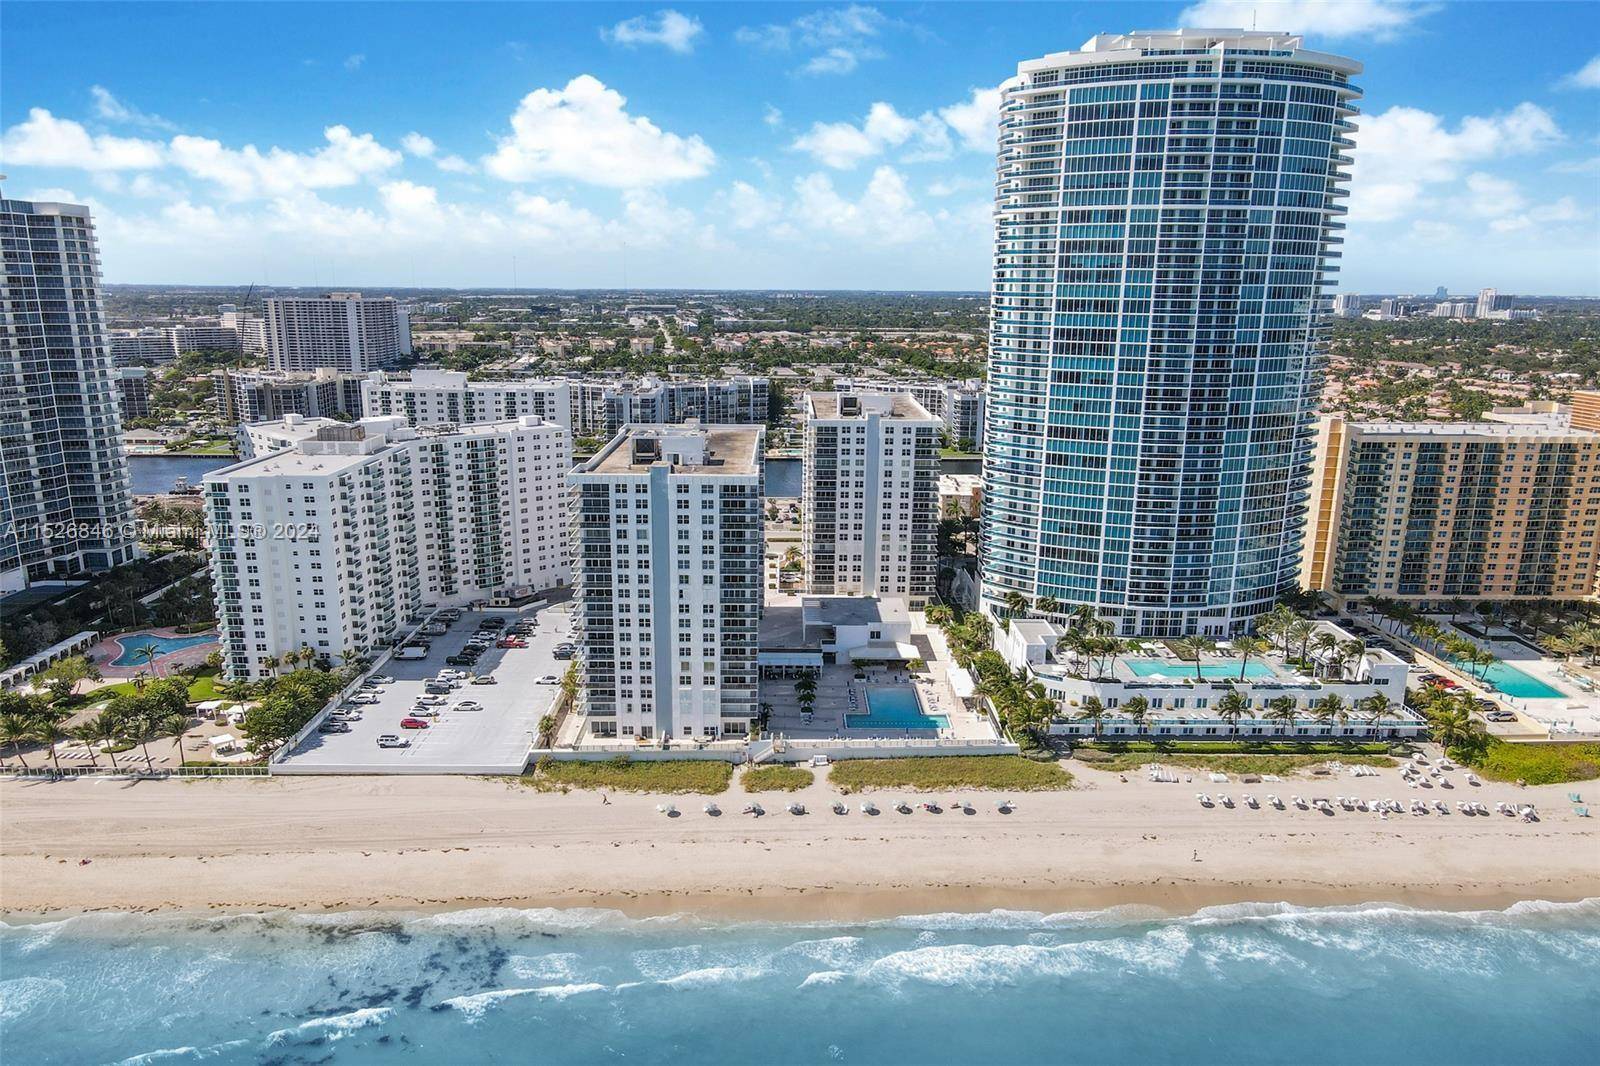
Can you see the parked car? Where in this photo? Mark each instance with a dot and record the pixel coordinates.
(346, 714)
(435, 688)
(492, 622)
(1501, 716)
(380, 679)
(431, 700)
(548, 679)
(484, 679)
(393, 740)
(334, 725)
(413, 651)
(468, 705)
(461, 660)
(413, 723)
(449, 675)
(511, 642)
(364, 697)
(424, 711)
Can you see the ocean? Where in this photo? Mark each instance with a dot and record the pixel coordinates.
(1249, 983)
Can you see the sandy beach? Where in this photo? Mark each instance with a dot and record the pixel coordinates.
(444, 843)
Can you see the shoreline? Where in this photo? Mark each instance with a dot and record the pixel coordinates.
(427, 845)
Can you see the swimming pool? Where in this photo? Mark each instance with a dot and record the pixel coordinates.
(1214, 671)
(895, 707)
(1514, 682)
(133, 647)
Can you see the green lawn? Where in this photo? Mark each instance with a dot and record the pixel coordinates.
(1010, 773)
(1539, 764)
(623, 775)
(776, 779)
(202, 688)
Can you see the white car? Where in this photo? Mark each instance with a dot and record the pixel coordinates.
(468, 705)
(431, 700)
(364, 697)
(548, 679)
(450, 674)
(392, 740)
(380, 679)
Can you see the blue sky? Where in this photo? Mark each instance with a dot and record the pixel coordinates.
(729, 145)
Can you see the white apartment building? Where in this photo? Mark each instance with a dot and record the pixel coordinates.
(958, 404)
(337, 540)
(258, 438)
(602, 406)
(1488, 302)
(441, 397)
(667, 567)
(245, 396)
(342, 330)
(252, 329)
(871, 507)
(142, 347)
(205, 338)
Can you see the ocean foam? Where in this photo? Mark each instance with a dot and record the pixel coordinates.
(823, 977)
(334, 1027)
(475, 1006)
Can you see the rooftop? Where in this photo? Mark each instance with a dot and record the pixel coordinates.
(858, 405)
(730, 451)
(1532, 428)
(854, 610)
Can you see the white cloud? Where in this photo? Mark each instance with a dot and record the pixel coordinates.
(43, 140)
(671, 29)
(1378, 19)
(886, 211)
(246, 173)
(355, 62)
(418, 145)
(976, 121)
(52, 195)
(772, 117)
(454, 164)
(1404, 151)
(583, 132)
(747, 207)
(1585, 77)
(842, 145)
(951, 186)
(1578, 166)
(838, 39)
(111, 109)
(543, 218)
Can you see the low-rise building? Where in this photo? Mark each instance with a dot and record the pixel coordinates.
(667, 553)
(960, 494)
(336, 541)
(1223, 696)
(442, 397)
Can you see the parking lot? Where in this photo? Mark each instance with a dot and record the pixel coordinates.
(494, 740)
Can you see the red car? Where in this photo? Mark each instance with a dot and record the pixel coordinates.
(413, 723)
(509, 643)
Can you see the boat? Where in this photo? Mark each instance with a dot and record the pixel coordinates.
(181, 487)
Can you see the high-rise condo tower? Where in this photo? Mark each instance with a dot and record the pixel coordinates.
(1167, 207)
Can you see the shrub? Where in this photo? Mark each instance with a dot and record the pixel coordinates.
(776, 779)
(1010, 773)
(622, 774)
(1538, 764)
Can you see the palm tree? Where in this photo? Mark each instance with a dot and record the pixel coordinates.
(1300, 632)
(148, 654)
(105, 732)
(47, 728)
(1282, 709)
(1016, 604)
(1195, 647)
(1047, 605)
(15, 729)
(1246, 647)
(547, 729)
(1137, 711)
(1230, 708)
(88, 736)
(1374, 709)
(1093, 711)
(1354, 652)
(177, 725)
(1325, 644)
(141, 730)
(1454, 726)
(1329, 710)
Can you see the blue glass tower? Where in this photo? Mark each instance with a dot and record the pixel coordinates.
(1167, 206)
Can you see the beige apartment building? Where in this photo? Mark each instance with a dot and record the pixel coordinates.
(1503, 509)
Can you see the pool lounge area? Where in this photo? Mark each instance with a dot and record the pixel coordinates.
(123, 655)
(1505, 678)
(892, 707)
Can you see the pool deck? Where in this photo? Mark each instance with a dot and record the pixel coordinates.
(110, 649)
(1575, 715)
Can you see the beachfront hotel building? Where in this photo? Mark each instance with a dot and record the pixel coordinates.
(1168, 207)
(66, 509)
(1178, 704)
(441, 397)
(337, 539)
(246, 396)
(1431, 511)
(342, 330)
(870, 509)
(667, 542)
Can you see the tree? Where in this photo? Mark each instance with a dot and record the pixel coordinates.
(1325, 644)
(148, 654)
(1137, 711)
(176, 725)
(87, 735)
(1454, 726)
(62, 678)
(104, 729)
(1330, 711)
(1282, 709)
(1196, 648)
(1374, 709)
(16, 729)
(1093, 711)
(1246, 647)
(1300, 632)
(1016, 604)
(547, 730)
(1047, 605)
(1230, 708)
(48, 728)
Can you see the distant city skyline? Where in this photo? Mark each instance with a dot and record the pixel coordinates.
(730, 146)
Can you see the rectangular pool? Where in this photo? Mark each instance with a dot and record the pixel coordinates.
(895, 707)
(1212, 671)
(1514, 682)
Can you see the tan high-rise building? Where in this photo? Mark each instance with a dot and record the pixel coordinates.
(1428, 511)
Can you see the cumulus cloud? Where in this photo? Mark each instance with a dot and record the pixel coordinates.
(584, 132)
(976, 120)
(246, 173)
(416, 144)
(1403, 152)
(454, 164)
(842, 145)
(111, 109)
(670, 29)
(42, 140)
(355, 61)
(772, 117)
(835, 40)
(1585, 77)
(885, 212)
(1379, 19)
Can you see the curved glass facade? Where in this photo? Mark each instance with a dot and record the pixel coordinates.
(1167, 206)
